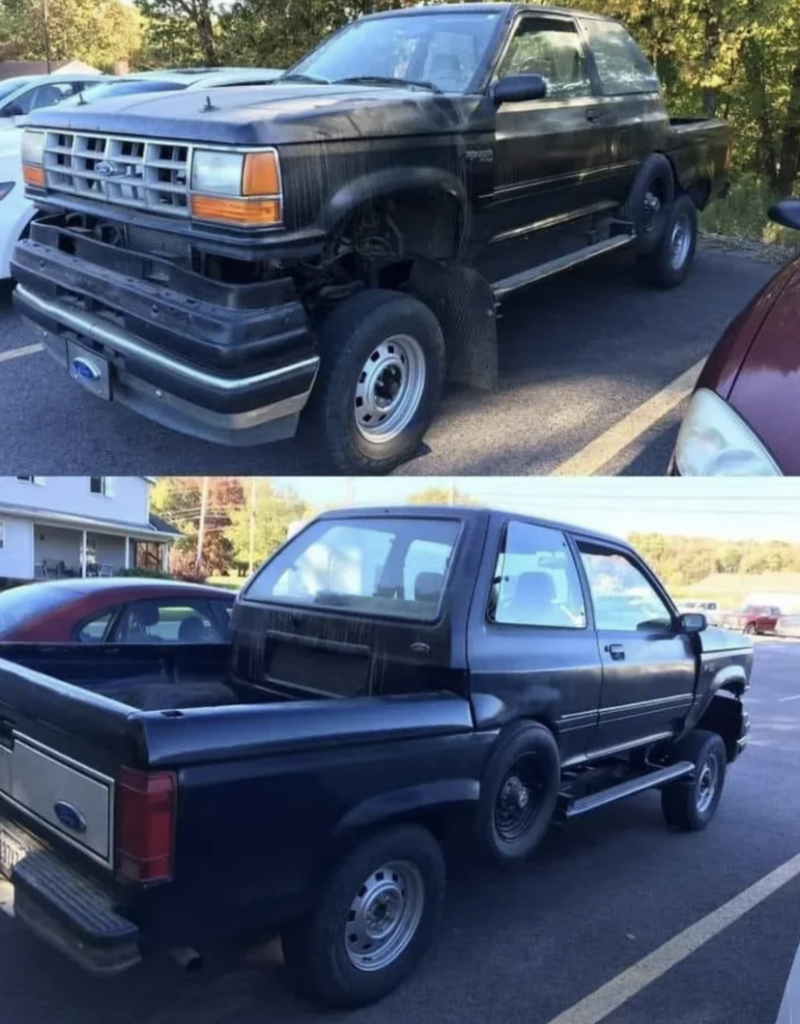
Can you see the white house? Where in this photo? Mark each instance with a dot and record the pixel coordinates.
(62, 526)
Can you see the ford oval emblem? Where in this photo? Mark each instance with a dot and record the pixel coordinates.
(85, 369)
(105, 169)
(69, 816)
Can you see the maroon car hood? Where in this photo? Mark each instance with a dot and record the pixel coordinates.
(766, 391)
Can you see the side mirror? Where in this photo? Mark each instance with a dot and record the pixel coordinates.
(519, 89)
(12, 110)
(692, 623)
(786, 212)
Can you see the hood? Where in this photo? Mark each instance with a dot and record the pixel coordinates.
(267, 115)
(715, 641)
(766, 388)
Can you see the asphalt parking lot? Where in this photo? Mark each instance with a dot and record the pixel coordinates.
(578, 354)
(603, 893)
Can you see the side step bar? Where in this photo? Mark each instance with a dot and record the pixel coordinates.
(572, 808)
(526, 277)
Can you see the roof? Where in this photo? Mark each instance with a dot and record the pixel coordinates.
(468, 512)
(83, 586)
(156, 529)
(507, 9)
(16, 68)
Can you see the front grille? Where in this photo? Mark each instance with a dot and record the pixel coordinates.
(148, 174)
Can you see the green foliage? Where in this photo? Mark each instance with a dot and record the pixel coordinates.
(180, 33)
(99, 32)
(681, 561)
(149, 574)
(441, 496)
(271, 512)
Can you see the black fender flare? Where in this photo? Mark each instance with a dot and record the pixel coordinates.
(406, 803)
(389, 182)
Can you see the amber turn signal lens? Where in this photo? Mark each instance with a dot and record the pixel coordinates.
(242, 212)
(33, 175)
(261, 176)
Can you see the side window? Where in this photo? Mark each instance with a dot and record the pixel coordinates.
(93, 631)
(621, 66)
(536, 582)
(424, 571)
(623, 597)
(552, 49)
(47, 95)
(163, 621)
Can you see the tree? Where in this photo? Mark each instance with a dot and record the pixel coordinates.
(99, 32)
(187, 27)
(273, 512)
(441, 496)
(179, 501)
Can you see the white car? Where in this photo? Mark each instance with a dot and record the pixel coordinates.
(16, 211)
(20, 95)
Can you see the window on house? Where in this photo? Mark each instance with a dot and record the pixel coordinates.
(31, 479)
(101, 485)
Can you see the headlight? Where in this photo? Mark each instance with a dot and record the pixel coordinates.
(715, 441)
(237, 187)
(33, 158)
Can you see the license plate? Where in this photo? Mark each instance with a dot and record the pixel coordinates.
(11, 853)
(90, 370)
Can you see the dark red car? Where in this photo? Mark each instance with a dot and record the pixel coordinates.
(118, 611)
(753, 618)
(744, 416)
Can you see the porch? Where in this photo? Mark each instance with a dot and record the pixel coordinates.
(63, 553)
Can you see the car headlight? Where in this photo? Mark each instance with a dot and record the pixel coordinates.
(238, 188)
(715, 441)
(33, 158)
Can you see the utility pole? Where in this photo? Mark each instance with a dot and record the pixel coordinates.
(451, 492)
(349, 491)
(46, 17)
(201, 529)
(250, 558)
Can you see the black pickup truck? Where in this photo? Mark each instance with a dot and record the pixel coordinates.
(397, 677)
(343, 237)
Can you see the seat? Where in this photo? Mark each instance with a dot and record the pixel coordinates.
(445, 70)
(142, 619)
(428, 586)
(192, 630)
(534, 601)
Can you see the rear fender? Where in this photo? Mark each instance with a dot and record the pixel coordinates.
(413, 802)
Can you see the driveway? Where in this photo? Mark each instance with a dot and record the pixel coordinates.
(711, 920)
(580, 354)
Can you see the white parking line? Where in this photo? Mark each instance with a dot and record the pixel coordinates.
(783, 700)
(18, 353)
(603, 449)
(619, 990)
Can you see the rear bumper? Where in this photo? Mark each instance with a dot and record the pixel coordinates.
(233, 364)
(69, 911)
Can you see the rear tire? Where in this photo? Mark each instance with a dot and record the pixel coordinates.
(669, 263)
(519, 791)
(382, 367)
(689, 804)
(377, 916)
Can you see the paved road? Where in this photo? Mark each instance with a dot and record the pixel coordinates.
(578, 353)
(603, 892)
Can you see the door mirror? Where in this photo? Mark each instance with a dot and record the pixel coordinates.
(12, 110)
(519, 89)
(691, 623)
(786, 212)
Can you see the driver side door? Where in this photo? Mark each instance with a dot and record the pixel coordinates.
(550, 153)
(649, 668)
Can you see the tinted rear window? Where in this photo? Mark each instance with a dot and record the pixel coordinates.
(25, 604)
(394, 567)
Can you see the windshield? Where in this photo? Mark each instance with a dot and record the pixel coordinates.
(23, 604)
(11, 85)
(129, 87)
(445, 50)
(377, 566)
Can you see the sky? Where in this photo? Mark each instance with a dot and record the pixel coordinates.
(726, 508)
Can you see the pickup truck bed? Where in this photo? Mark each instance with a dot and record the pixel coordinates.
(355, 726)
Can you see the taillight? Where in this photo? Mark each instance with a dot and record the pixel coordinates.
(145, 838)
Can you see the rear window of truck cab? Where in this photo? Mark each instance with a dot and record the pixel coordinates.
(375, 566)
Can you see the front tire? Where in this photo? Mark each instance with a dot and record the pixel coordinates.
(689, 804)
(382, 368)
(519, 791)
(376, 918)
(669, 263)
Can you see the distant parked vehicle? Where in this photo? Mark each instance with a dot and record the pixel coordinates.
(122, 610)
(752, 619)
(21, 95)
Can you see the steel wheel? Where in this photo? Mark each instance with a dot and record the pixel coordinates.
(384, 916)
(518, 800)
(680, 241)
(389, 388)
(707, 783)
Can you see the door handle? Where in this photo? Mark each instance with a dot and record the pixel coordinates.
(595, 114)
(617, 652)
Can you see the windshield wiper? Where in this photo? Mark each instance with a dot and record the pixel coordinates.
(297, 76)
(386, 80)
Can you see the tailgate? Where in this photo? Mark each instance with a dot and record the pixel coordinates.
(60, 751)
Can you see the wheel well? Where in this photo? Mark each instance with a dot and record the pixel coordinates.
(700, 193)
(724, 716)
